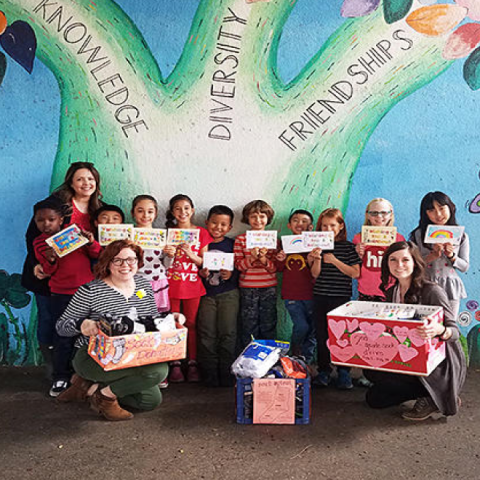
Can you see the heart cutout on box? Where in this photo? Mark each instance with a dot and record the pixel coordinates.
(376, 352)
(416, 339)
(352, 325)
(337, 328)
(407, 353)
(342, 343)
(342, 354)
(372, 330)
(401, 333)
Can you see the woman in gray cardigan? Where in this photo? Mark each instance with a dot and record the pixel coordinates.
(439, 392)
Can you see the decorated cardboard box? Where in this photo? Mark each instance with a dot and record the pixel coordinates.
(364, 334)
(125, 351)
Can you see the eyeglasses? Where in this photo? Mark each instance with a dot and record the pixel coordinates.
(383, 213)
(129, 260)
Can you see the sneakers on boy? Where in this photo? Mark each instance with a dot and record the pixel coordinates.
(344, 380)
(193, 375)
(424, 408)
(176, 374)
(57, 388)
(322, 379)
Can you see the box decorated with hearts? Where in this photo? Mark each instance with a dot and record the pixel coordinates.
(362, 334)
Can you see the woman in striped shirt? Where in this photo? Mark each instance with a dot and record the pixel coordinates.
(117, 291)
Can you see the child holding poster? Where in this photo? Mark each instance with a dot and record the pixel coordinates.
(217, 316)
(156, 261)
(333, 272)
(185, 285)
(297, 289)
(258, 281)
(443, 260)
(67, 274)
(379, 213)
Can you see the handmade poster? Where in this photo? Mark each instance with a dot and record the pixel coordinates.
(293, 244)
(262, 239)
(274, 401)
(177, 236)
(323, 240)
(67, 241)
(218, 261)
(380, 236)
(108, 233)
(444, 234)
(150, 238)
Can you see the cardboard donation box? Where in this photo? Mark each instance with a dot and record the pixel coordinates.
(125, 351)
(371, 335)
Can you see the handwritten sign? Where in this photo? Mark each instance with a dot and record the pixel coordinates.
(150, 238)
(323, 240)
(444, 234)
(380, 236)
(218, 261)
(274, 401)
(67, 241)
(177, 236)
(262, 239)
(108, 233)
(293, 244)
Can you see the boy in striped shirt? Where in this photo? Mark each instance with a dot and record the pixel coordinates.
(258, 280)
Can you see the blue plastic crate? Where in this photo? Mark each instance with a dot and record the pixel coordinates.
(244, 404)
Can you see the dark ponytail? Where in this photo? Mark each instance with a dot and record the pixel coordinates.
(171, 222)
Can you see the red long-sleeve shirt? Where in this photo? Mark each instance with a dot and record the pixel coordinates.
(70, 271)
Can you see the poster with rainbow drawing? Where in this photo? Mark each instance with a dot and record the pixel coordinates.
(67, 241)
(293, 244)
(444, 234)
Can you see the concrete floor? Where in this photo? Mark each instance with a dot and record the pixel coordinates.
(193, 435)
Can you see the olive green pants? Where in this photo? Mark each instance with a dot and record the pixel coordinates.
(135, 387)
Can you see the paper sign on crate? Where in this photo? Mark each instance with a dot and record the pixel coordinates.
(262, 239)
(380, 236)
(177, 236)
(360, 339)
(150, 238)
(323, 240)
(293, 244)
(67, 241)
(125, 351)
(108, 233)
(218, 261)
(444, 234)
(274, 401)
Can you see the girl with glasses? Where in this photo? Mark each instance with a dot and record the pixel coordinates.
(379, 213)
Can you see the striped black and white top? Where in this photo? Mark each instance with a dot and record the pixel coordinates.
(331, 281)
(93, 300)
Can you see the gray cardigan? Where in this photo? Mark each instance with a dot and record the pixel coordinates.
(442, 271)
(445, 382)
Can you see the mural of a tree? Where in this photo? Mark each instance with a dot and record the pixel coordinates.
(224, 111)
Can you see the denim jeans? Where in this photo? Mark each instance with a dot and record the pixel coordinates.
(46, 321)
(303, 332)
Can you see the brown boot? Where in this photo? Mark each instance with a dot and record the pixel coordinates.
(108, 407)
(76, 392)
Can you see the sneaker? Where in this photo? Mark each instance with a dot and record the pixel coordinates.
(363, 382)
(424, 408)
(344, 380)
(164, 384)
(322, 379)
(193, 375)
(57, 388)
(176, 374)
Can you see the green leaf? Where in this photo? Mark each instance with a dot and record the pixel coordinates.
(3, 66)
(16, 295)
(395, 10)
(4, 283)
(471, 70)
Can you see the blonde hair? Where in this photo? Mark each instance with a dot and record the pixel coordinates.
(375, 200)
